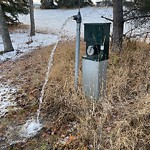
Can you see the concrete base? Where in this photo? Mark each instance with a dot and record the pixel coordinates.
(94, 78)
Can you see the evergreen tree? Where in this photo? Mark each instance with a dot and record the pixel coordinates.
(143, 6)
(5, 33)
(12, 8)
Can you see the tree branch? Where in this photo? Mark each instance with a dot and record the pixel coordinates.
(130, 31)
(126, 12)
(136, 17)
(107, 18)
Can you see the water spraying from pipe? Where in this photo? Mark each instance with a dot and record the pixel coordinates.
(49, 68)
(32, 126)
(46, 79)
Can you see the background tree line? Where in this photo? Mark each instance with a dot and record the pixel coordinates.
(48, 4)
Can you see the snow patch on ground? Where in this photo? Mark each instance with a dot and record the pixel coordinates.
(24, 43)
(7, 99)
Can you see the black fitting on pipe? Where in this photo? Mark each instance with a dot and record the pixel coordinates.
(78, 17)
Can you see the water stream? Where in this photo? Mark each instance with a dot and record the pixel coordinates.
(46, 80)
(32, 126)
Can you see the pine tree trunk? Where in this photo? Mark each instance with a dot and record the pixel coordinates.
(5, 33)
(32, 29)
(118, 24)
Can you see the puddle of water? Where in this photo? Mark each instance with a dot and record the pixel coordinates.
(30, 128)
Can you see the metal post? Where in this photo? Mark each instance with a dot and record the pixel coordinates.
(78, 20)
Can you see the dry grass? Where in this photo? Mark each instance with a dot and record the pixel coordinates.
(19, 26)
(119, 122)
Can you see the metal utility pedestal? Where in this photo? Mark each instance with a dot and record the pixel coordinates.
(94, 78)
(94, 64)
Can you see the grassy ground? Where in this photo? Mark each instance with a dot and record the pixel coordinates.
(120, 121)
